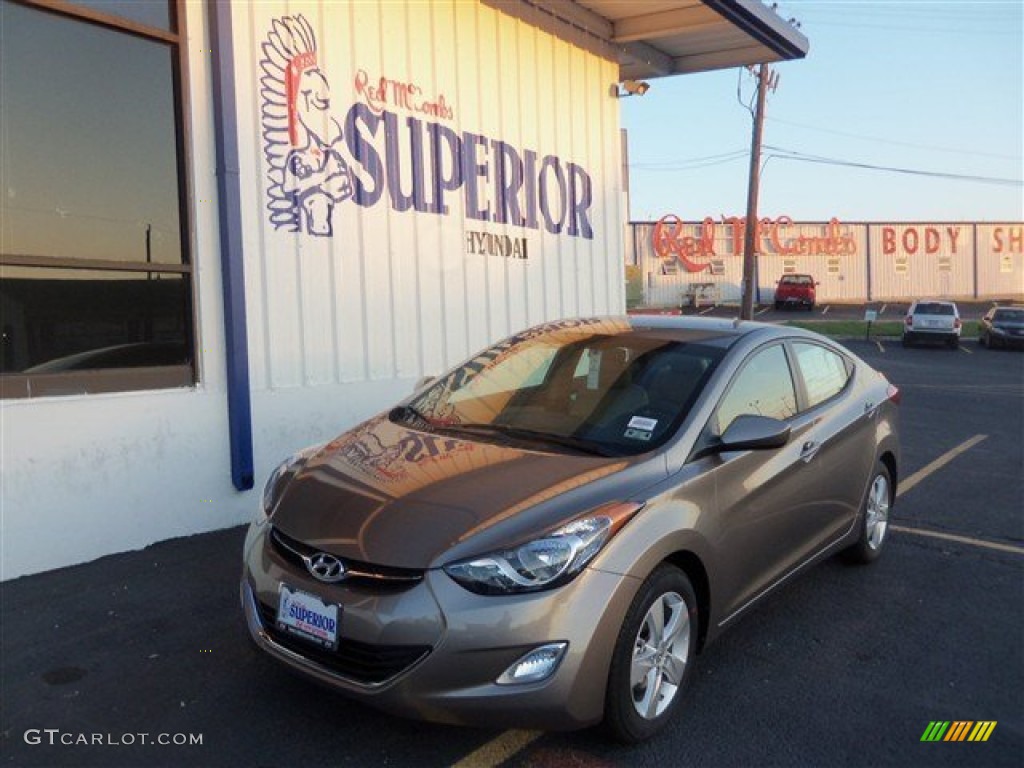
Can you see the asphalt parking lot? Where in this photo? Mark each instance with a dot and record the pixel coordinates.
(846, 666)
(886, 311)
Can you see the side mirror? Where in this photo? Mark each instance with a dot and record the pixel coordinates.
(750, 432)
(425, 381)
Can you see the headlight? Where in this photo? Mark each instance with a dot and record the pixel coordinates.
(279, 479)
(546, 562)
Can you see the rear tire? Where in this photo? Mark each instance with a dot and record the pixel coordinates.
(874, 518)
(905, 340)
(653, 656)
(953, 343)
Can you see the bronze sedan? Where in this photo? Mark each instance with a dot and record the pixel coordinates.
(546, 535)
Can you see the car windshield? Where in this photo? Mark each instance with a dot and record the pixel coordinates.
(597, 390)
(796, 280)
(1009, 315)
(933, 308)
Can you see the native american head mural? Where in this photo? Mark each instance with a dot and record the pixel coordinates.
(302, 141)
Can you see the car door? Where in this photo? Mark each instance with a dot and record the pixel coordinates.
(764, 497)
(840, 432)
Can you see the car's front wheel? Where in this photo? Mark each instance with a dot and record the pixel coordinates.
(653, 656)
(874, 518)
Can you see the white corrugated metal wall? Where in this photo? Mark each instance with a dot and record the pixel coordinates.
(1000, 249)
(395, 294)
(909, 261)
(852, 262)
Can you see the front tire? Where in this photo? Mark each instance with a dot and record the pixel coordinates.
(874, 518)
(653, 656)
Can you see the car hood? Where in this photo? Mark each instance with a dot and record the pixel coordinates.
(393, 496)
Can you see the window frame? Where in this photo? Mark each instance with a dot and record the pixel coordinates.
(107, 380)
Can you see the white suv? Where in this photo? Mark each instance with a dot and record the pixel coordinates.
(936, 320)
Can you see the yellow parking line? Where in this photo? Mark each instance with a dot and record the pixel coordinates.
(498, 750)
(880, 347)
(762, 311)
(938, 464)
(709, 309)
(960, 539)
(882, 310)
(965, 349)
(826, 309)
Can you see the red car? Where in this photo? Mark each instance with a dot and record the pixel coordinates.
(795, 291)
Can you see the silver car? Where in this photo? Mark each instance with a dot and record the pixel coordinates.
(932, 321)
(546, 535)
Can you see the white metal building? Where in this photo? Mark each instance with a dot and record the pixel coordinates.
(851, 262)
(230, 230)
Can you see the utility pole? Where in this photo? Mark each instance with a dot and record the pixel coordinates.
(765, 79)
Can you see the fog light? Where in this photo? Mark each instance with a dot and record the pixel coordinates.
(539, 664)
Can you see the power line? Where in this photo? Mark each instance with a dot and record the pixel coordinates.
(894, 142)
(789, 154)
(683, 164)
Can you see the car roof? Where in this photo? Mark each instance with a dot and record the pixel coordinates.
(720, 332)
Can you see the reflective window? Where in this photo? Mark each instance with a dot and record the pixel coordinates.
(764, 387)
(90, 152)
(153, 13)
(824, 372)
(615, 393)
(95, 272)
(57, 320)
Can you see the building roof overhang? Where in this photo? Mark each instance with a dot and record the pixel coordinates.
(658, 38)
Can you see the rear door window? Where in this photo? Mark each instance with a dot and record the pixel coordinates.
(823, 371)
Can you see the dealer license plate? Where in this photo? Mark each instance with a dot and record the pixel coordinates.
(308, 617)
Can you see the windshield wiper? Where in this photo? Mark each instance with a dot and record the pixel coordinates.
(532, 435)
(409, 414)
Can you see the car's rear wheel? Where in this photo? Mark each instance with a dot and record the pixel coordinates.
(874, 518)
(653, 656)
(983, 340)
(905, 340)
(953, 342)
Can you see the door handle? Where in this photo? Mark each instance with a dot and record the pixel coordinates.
(810, 450)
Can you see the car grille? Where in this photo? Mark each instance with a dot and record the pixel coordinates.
(361, 662)
(293, 551)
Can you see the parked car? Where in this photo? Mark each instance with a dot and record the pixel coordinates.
(1002, 327)
(932, 321)
(547, 535)
(796, 291)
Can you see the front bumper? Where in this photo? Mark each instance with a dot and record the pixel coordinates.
(446, 646)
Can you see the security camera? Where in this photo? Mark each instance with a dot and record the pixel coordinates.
(636, 87)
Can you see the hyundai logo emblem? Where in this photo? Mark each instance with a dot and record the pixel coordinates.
(325, 567)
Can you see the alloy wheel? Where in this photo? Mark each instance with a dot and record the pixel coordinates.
(660, 652)
(878, 511)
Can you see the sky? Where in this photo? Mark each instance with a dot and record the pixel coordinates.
(935, 88)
